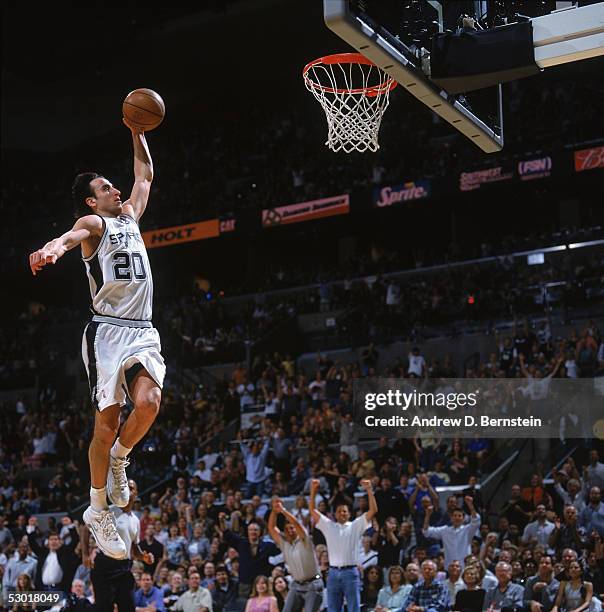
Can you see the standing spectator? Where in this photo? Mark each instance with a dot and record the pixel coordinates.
(428, 595)
(572, 495)
(540, 590)
(569, 534)
(255, 466)
(6, 537)
(226, 591)
(457, 537)
(592, 516)
(594, 472)
(422, 489)
(417, 364)
(343, 538)
(148, 597)
(57, 562)
(348, 437)
(196, 599)
(407, 541)
(198, 544)
(306, 592)
(152, 545)
(21, 563)
(516, 510)
(253, 552)
(539, 530)
(390, 502)
(176, 547)
(387, 543)
(506, 595)
(179, 462)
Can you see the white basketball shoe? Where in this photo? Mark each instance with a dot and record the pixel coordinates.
(103, 528)
(117, 481)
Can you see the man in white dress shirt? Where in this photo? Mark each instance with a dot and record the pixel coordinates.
(539, 530)
(343, 546)
(457, 537)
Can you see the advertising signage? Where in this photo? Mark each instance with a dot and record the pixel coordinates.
(540, 167)
(403, 192)
(179, 234)
(306, 211)
(469, 181)
(588, 159)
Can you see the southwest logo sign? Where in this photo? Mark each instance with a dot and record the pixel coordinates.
(469, 181)
(534, 168)
(404, 192)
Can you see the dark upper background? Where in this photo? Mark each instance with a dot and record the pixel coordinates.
(239, 123)
(66, 66)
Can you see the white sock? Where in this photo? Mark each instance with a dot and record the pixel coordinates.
(98, 499)
(119, 450)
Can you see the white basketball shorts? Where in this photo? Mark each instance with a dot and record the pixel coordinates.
(110, 349)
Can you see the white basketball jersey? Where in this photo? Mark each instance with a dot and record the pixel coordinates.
(119, 273)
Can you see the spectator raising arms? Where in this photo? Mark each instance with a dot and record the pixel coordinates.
(343, 543)
(457, 537)
(306, 589)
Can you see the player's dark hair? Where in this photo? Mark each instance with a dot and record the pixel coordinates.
(80, 190)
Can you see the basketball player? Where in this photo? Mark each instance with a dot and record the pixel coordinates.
(120, 347)
(112, 579)
(306, 589)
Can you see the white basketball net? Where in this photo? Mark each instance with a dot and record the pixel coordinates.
(354, 97)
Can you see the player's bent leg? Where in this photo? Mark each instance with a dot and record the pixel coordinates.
(146, 395)
(106, 426)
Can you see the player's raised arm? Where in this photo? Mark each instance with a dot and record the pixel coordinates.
(143, 173)
(84, 229)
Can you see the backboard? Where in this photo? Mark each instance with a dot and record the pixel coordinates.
(439, 51)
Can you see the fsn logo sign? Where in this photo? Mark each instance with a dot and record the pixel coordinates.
(535, 168)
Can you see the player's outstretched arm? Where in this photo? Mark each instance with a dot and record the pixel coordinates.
(84, 228)
(143, 174)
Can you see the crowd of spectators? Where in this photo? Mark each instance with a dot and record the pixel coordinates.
(198, 330)
(292, 429)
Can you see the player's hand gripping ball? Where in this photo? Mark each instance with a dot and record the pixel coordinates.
(143, 109)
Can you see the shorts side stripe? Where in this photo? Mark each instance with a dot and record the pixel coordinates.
(91, 330)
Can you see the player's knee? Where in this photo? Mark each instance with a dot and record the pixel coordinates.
(106, 431)
(148, 405)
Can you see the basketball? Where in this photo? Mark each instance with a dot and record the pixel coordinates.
(144, 108)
